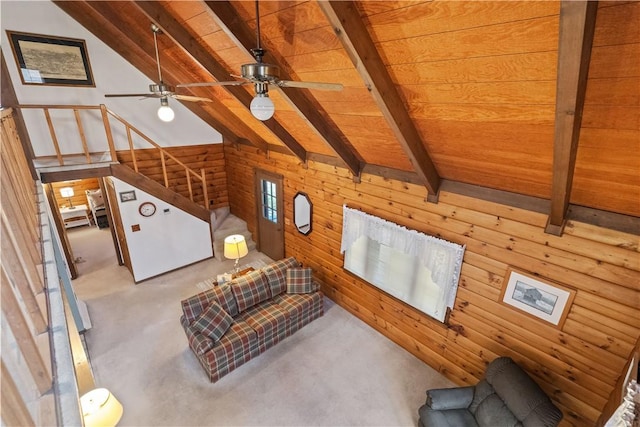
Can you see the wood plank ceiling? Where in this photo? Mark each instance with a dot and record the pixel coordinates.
(541, 99)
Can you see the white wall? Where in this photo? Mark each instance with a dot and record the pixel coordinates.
(111, 73)
(167, 240)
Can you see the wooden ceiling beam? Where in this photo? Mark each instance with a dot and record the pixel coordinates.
(577, 26)
(315, 116)
(100, 20)
(352, 32)
(181, 37)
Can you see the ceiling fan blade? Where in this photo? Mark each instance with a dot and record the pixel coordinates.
(190, 98)
(230, 83)
(144, 95)
(310, 85)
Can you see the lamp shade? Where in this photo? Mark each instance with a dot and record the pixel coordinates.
(235, 246)
(100, 408)
(165, 113)
(66, 192)
(262, 107)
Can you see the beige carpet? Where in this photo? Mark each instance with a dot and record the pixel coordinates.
(336, 371)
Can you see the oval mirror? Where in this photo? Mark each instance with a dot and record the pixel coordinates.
(302, 209)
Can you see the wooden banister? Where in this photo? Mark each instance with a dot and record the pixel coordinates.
(129, 129)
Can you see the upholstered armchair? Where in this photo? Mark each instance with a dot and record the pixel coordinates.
(507, 396)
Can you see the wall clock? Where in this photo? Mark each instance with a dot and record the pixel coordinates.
(147, 209)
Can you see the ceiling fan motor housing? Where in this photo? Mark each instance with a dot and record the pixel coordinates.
(260, 72)
(162, 89)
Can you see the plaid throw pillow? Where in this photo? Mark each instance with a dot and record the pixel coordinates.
(213, 322)
(277, 274)
(299, 281)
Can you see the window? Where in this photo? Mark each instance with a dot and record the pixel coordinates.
(421, 270)
(269, 200)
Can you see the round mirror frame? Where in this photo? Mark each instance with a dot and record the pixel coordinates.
(306, 227)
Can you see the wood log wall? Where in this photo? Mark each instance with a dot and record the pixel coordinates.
(26, 397)
(210, 157)
(578, 365)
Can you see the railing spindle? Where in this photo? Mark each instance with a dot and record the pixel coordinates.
(83, 138)
(189, 183)
(131, 150)
(205, 193)
(53, 137)
(107, 129)
(164, 169)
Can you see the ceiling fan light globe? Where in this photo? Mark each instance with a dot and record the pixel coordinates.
(262, 107)
(165, 113)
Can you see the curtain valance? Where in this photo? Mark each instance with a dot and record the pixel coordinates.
(442, 258)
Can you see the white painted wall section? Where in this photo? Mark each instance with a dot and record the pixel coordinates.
(166, 240)
(111, 73)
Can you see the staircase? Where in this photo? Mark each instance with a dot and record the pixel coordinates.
(107, 157)
(224, 224)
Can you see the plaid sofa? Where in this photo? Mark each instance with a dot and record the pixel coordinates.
(230, 324)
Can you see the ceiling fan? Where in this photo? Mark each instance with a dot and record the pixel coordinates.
(261, 75)
(161, 90)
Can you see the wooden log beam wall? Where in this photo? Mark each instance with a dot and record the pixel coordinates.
(577, 365)
(26, 368)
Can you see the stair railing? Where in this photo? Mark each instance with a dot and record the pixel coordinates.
(105, 113)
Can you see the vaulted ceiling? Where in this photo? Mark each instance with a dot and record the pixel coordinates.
(540, 99)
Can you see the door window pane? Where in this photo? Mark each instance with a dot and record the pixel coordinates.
(269, 200)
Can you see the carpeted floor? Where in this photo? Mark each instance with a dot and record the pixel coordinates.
(336, 371)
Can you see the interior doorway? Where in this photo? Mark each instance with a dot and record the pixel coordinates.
(270, 213)
(82, 217)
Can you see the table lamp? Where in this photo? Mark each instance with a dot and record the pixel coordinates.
(100, 408)
(235, 247)
(68, 193)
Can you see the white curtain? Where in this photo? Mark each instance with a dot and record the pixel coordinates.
(442, 258)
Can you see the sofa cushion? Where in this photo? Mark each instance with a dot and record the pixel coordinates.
(224, 296)
(269, 321)
(297, 304)
(482, 390)
(494, 412)
(524, 398)
(277, 274)
(213, 322)
(193, 307)
(250, 289)
(299, 281)
(236, 347)
(450, 418)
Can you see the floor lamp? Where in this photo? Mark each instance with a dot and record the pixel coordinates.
(235, 246)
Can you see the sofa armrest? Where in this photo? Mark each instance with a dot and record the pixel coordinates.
(450, 398)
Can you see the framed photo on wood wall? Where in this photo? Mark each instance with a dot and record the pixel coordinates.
(547, 301)
(51, 60)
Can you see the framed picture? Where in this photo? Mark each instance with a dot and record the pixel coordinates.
(547, 301)
(127, 196)
(50, 60)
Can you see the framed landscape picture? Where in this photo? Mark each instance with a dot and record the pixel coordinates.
(547, 301)
(127, 196)
(50, 60)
